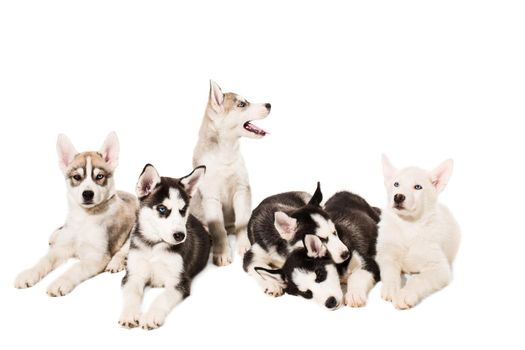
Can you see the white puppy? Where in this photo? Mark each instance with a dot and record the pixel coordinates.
(417, 235)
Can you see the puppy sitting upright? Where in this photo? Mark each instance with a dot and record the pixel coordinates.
(417, 235)
(98, 224)
(168, 247)
(223, 202)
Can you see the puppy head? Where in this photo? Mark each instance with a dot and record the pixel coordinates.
(410, 191)
(311, 278)
(312, 220)
(232, 114)
(164, 203)
(89, 175)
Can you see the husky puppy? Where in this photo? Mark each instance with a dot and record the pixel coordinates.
(310, 273)
(169, 247)
(279, 225)
(356, 223)
(98, 224)
(417, 235)
(223, 202)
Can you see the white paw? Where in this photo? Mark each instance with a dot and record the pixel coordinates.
(274, 290)
(354, 298)
(243, 245)
(116, 264)
(222, 259)
(129, 319)
(152, 320)
(27, 278)
(389, 291)
(405, 299)
(60, 287)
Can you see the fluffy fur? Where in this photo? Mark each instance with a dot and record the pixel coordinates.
(169, 247)
(417, 235)
(223, 202)
(98, 224)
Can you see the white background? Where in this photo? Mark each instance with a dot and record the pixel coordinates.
(421, 81)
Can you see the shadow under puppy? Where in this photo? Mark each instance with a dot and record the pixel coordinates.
(168, 248)
(98, 223)
(310, 272)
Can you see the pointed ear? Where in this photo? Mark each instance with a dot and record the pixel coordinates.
(441, 174)
(285, 225)
(66, 151)
(317, 198)
(148, 180)
(314, 246)
(191, 181)
(388, 169)
(216, 96)
(110, 150)
(271, 275)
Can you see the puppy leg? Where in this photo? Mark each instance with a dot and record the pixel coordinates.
(215, 219)
(359, 285)
(161, 307)
(55, 257)
(132, 292)
(390, 276)
(118, 261)
(90, 265)
(242, 206)
(257, 257)
(421, 285)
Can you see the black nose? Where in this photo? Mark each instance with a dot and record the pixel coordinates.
(331, 303)
(179, 236)
(88, 195)
(399, 198)
(268, 106)
(345, 255)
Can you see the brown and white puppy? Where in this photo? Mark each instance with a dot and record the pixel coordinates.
(98, 224)
(223, 201)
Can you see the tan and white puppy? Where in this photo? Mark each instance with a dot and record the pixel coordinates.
(223, 201)
(98, 224)
(417, 235)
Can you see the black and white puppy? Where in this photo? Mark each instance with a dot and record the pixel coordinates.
(279, 225)
(168, 247)
(311, 272)
(356, 223)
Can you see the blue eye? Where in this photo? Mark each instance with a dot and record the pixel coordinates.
(418, 187)
(161, 209)
(396, 184)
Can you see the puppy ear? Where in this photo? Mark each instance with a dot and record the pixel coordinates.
(191, 182)
(285, 225)
(66, 151)
(110, 150)
(148, 180)
(270, 275)
(441, 174)
(216, 96)
(314, 246)
(388, 169)
(317, 198)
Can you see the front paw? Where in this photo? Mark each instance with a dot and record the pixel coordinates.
(389, 291)
(222, 258)
(355, 298)
(129, 319)
(152, 320)
(274, 291)
(27, 278)
(405, 299)
(60, 287)
(116, 264)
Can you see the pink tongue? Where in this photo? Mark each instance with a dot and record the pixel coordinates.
(250, 127)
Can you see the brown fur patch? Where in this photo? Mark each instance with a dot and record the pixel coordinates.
(122, 223)
(80, 161)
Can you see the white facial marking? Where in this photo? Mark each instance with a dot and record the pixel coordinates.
(325, 230)
(321, 291)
